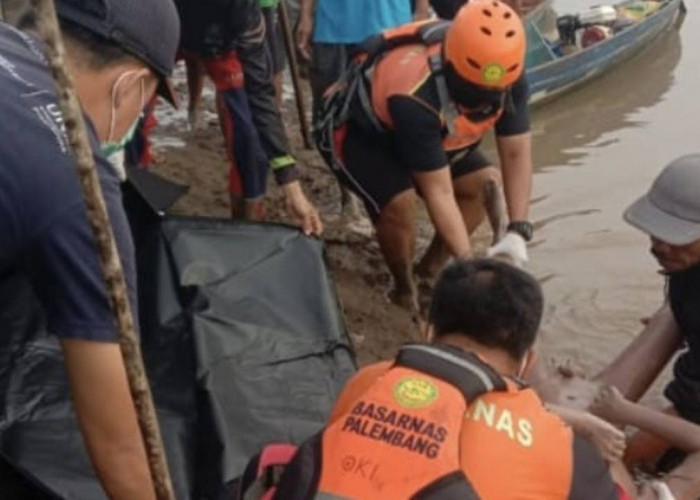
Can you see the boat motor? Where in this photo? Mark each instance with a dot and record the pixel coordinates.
(569, 24)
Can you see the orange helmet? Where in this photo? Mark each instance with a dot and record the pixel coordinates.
(486, 44)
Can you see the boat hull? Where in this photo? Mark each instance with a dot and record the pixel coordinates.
(549, 80)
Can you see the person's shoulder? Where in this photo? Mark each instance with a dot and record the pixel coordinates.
(35, 152)
(367, 375)
(526, 403)
(28, 105)
(520, 90)
(23, 65)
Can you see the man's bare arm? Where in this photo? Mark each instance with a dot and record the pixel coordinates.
(107, 418)
(611, 405)
(422, 11)
(515, 152)
(609, 440)
(438, 192)
(305, 27)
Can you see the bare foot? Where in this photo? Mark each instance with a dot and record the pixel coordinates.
(405, 299)
(195, 119)
(426, 277)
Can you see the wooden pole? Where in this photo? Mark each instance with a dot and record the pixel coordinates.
(294, 68)
(108, 253)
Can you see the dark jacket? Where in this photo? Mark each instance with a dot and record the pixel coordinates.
(214, 28)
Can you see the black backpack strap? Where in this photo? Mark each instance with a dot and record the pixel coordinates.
(365, 100)
(431, 34)
(446, 103)
(463, 370)
(434, 32)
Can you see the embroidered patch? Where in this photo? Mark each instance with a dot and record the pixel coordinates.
(415, 392)
(493, 73)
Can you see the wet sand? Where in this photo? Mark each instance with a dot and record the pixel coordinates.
(595, 151)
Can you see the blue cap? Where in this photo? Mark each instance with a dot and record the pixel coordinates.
(146, 29)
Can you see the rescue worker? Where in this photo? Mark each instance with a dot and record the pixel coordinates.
(119, 53)
(229, 37)
(431, 103)
(450, 418)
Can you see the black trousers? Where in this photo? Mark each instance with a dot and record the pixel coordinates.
(445, 9)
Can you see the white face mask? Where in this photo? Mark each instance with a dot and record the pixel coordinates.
(110, 146)
(523, 367)
(117, 161)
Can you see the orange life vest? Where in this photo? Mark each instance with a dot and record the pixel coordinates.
(401, 438)
(435, 423)
(402, 72)
(396, 62)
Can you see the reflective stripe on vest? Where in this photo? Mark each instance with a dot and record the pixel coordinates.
(403, 71)
(401, 439)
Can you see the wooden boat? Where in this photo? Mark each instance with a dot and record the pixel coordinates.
(555, 66)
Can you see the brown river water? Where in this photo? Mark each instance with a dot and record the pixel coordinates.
(595, 151)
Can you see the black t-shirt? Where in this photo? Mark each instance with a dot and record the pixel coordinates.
(44, 232)
(684, 297)
(447, 9)
(418, 132)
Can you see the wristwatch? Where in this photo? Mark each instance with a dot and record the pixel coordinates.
(523, 228)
